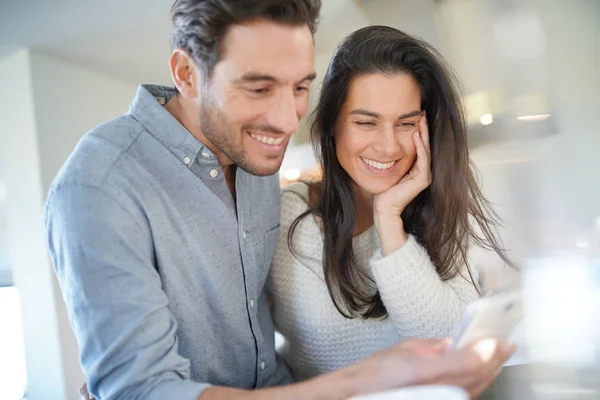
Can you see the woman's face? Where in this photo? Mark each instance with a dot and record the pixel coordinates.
(373, 132)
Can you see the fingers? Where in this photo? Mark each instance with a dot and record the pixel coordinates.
(84, 394)
(481, 364)
(428, 346)
(495, 357)
(452, 368)
(420, 147)
(487, 373)
(484, 384)
(423, 342)
(467, 368)
(504, 351)
(424, 130)
(423, 158)
(473, 368)
(423, 135)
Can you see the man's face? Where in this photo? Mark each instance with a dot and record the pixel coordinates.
(257, 93)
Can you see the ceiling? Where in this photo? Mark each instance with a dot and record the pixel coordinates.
(125, 39)
(129, 40)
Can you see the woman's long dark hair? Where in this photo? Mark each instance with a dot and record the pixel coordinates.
(441, 216)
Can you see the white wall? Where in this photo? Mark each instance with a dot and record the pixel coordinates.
(5, 269)
(69, 101)
(547, 187)
(31, 271)
(50, 105)
(12, 348)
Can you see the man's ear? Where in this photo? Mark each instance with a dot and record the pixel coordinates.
(184, 73)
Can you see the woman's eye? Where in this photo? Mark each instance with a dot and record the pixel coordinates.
(407, 125)
(365, 123)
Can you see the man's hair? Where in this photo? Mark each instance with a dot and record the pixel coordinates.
(200, 25)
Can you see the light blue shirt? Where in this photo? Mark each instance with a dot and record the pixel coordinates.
(161, 269)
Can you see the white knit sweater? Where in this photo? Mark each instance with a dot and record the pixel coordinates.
(318, 338)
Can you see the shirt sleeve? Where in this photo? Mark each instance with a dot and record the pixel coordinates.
(103, 255)
(418, 302)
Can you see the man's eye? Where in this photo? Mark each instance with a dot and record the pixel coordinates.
(365, 123)
(259, 90)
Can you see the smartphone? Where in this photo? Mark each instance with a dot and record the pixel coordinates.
(492, 316)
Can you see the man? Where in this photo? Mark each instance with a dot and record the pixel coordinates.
(162, 224)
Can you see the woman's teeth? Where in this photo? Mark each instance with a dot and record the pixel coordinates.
(378, 165)
(267, 139)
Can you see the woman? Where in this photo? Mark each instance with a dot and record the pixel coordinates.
(377, 251)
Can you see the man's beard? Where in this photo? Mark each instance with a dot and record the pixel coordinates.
(220, 133)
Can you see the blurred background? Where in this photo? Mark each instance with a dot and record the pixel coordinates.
(531, 86)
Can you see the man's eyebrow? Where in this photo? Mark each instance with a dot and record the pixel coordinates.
(309, 77)
(255, 77)
(361, 111)
(258, 77)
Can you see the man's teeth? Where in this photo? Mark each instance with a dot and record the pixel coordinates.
(267, 140)
(379, 165)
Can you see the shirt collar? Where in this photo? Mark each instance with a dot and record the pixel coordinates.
(147, 108)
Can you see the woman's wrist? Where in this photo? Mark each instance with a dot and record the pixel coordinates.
(390, 229)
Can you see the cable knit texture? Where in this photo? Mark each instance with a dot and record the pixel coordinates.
(318, 338)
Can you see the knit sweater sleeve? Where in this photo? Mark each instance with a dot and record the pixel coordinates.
(418, 302)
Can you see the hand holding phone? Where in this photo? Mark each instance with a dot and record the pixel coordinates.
(493, 316)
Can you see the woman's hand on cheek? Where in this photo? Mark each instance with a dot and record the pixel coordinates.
(393, 201)
(389, 205)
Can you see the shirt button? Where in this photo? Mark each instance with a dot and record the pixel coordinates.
(245, 235)
(214, 173)
(262, 365)
(205, 155)
(187, 160)
(251, 303)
